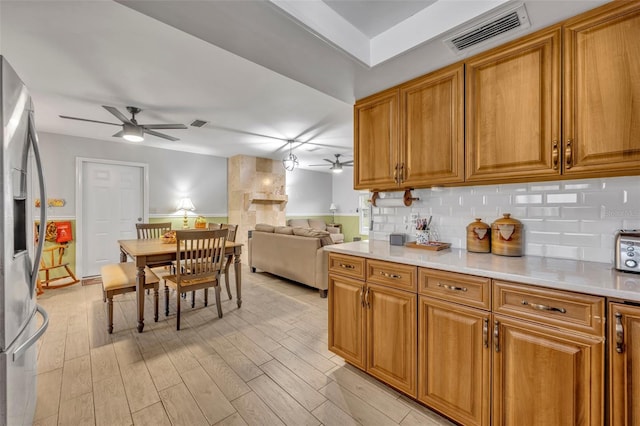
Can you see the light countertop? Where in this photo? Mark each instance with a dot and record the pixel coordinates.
(594, 278)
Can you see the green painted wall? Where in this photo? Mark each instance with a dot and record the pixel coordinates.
(177, 221)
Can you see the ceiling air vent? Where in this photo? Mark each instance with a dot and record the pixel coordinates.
(198, 123)
(507, 22)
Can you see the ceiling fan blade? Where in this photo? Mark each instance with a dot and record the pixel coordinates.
(161, 135)
(163, 126)
(347, 163)
(119, 134)
(318, 165)
(90, 121)
(332, 162)
(117, 113)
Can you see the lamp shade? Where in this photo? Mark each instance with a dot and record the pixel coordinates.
(186, 204)
(333, 207)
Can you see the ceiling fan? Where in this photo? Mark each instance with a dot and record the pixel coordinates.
(131, 130)
(336, 166)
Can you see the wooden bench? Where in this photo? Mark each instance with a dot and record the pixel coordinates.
(120, 278)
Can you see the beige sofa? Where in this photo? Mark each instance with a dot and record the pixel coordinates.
(318, 224)
(293, 253)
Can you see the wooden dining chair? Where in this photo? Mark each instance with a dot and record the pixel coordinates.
(148, 231)
(200, 257)
(231, 236)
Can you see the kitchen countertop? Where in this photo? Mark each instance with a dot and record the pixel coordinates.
(594, 278)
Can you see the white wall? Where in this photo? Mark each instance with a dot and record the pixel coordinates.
(344, 196)
(172, 174)
(309, 193)
(572, 219)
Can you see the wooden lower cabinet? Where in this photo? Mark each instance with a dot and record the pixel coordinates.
(392, 336)
(624, 365)
(454, 360)
(374, 328)
(546, 376)
(346, 319)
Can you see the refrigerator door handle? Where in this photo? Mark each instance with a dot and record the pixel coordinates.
(33, 137)
(31, 340)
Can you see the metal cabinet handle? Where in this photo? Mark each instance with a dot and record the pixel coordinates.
(362, 297)
(392, 276)
(496, 335)
(451, 287)
(396, 179)
(568, 154)
(366, 298)
(402, 173)
(555, 155)
(485, 332)
(619, 333)
(347, 266)
(540, 307)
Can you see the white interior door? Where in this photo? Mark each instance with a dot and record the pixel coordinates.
(112, 203)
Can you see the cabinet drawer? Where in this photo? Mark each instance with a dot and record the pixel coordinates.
(350, 266)
(558, 308)
(391, 274)
(460, 288)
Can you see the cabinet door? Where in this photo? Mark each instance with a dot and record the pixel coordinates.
(513, 110)
(346, 319)
(375, 147)
(392, 337)
(601, 92)
(546, 376)
(432, 128)
(454, 360)
(624, 365)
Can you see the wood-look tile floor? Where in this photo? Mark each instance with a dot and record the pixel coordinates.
(266, 363)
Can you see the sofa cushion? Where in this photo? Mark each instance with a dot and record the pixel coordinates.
(263, 227)
(325, 238)
(317, 224)
(300, 223)
(287, 230)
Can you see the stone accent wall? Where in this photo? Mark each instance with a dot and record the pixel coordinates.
(256, 191)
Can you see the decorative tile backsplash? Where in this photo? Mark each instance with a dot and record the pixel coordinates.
(572, 219)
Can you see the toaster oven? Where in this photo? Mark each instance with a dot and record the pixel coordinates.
(627, 257)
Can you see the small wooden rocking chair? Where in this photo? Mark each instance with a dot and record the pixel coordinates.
(50, 261)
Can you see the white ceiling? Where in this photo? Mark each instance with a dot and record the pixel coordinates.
(258, 75)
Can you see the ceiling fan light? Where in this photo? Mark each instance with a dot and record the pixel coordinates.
(132, 133)
(334, 170)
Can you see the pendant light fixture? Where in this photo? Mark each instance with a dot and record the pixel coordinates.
(290, 162)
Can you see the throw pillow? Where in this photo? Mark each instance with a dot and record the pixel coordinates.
(299, 223)
(263, 227)
(324, 237)
(318, 224)
(287, 230)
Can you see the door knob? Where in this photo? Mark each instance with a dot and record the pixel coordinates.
(139, 219)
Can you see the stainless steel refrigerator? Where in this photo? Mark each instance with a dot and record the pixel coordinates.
(20, 326)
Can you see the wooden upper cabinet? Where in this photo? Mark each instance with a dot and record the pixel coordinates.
(375, 147)
(432, 128)
(602, 91)
(513, 110)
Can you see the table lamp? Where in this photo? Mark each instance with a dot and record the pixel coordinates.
(332, 209)
(185, 205)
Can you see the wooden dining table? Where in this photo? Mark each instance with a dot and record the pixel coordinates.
(154, 251)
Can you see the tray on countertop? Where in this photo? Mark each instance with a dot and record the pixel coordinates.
(433, 246)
